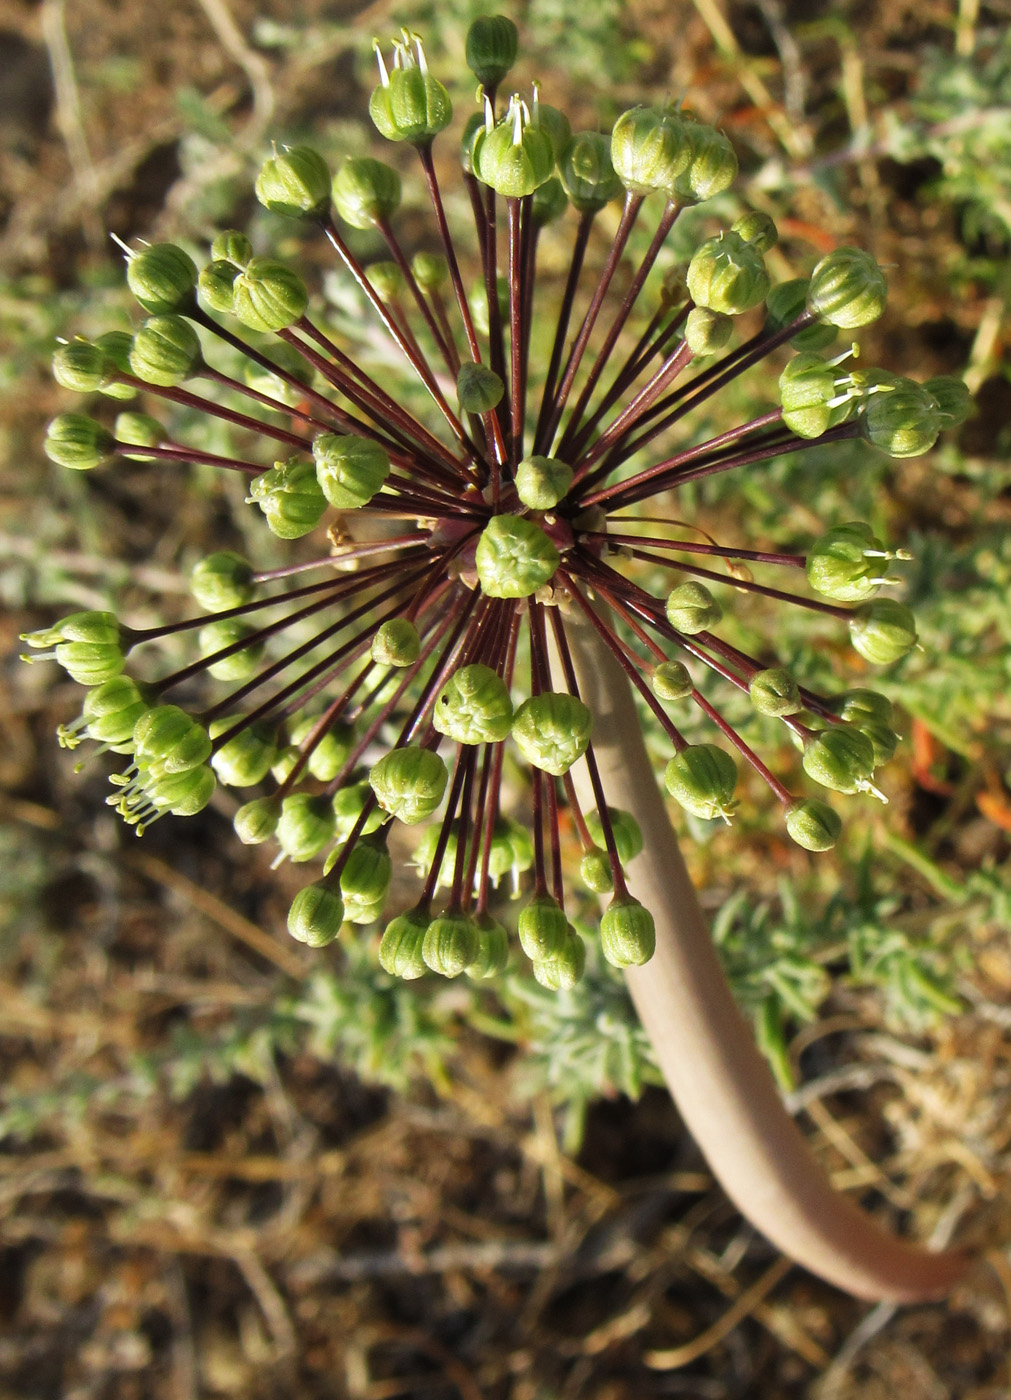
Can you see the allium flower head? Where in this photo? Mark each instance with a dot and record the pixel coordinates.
(425, 651)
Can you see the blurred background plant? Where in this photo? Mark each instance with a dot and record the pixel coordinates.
(178, 1086)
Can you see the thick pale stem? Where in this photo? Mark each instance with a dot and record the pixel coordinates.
(721, 1084)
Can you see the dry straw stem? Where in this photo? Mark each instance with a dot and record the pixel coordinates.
(720, 1083)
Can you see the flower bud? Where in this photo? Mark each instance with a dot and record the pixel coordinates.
(541, 482)
(840, 758)
(256, 821)
(269, 296)
(625, 828)
(348, 803)
(79, 366)
(409, 782)
(396, 643)
(365, 191)
(492, 949)
(331, 751)
(431, 271)
(400, 946)
(365, 879)
(757, 229)
(409, 104)
(727, 275)
(514, 557)
(516, 156)
(692, 608)
(290, 497)
(112, 709)
(847, 289)
(450, 944)
(672, 680)
(650, 148)
(707, 331)
(246, 759)
(167, 740)
(549, 203)
(862, 707)
(116, 347)
(883, 631)
(883, 740)
(552, 730)
(76, 441)
(952, 397)
(702, 778)
(232, 246)
(492, 44)
(775, 692)
(295, 182)
(562, 972)
(474, 707)
(810, 392)
(306, 825)
(845, 563)
(813, 824)
(162, 277)
(140, 429)
(349, 469)
(165, 351)
(217, 636)
(542, 927)
(904, 420)
(478, 388)
(216, 286)
(711, 169)
(784, 304)
(627, 933)
(316, 915)
(222, 580)
(595, 871)
(181, 794)
(587, 174)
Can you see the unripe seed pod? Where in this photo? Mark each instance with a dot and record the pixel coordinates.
(841, 758)
(400, 946)
(511, 849)
(515, 157)
(650, 148)
(112, 709)
(775, 692)
(952, 397)
(478, 388)
(396, 643)
(451, 944)
(702, 778)
(552, 730)
(232, 246)
(316, 915)
(813, 824)
(409, 782)
(542, 927)
(365, 879)
(757, 229)
(217, 636)
(627, 933)
(554, 122)
(162, 278)
(116, 347)
(295, 182)
(862, 707)
(541, 482)
(904, 421)
(474, 706)
(514, 557)
(140, 429)
(256, 821)
(409, 104)
(883, 631)
(784, 304)
(181, 794)
(671, 680)
(627, 835)
(473, 134)
(386, 280)
(847, 289)
(167, 740)
(284, 763)
(305, 826)
(76, 441)
(328, 757)
(349, 469)
(165, 351)
(884, 741)
(245, 760)
(431, 271)
(727, 275)
(365, 191)
(809, 390)
(290, 497)
(216, 286)
(711, 169)
(549, 202)
(492, 949)
(269, 296)
(691, 608)
(90, 663)
(845, 563)
(587, 174)
(347, 805)
(492, 45)
(595, 871)
(562, 972)
(222, 580)
(707, 331)
(79, 366)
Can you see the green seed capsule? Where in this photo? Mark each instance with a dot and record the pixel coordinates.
(396, 643)
(474, 707)
(409, 104)
(79, 366)
(165, 351)
(813, 824)
(256, 821)
(589, 178)
(847, 289)
(316, 915)
(671, 680)
(305, 826)
(627, 933)
(219, 636)
(246, 759)
(884, 741)
(349, 469)
(846, 563)
(222, 580)
(451, 944)
(492, 949)
(232, 246)
(330, 753)
(952, 397)
(707, 331)
(905, 421)
(76, 441)
(542, 927)
(625, 828)
(840, 758)
(401, 943)
(549, 203)
(365, 879)
(431, 271)
(813, 396)
(775, 692)
(366, 192)
(90, 663)
(757, 229)
(862, 707)
(216, 286)
(112, 709)
(712, 166)
(784, 304)
(478, 388)
(727, 275)
(295, 182)
(595, 871)
(409, 782)
(516, 156)
(514, 557)
(702, 778)
(162, 278)
(650, 148)
(290, 497)
(181, 794)
(541, 482)
(691, 608)
(386, 279)
(140, 429)
(883, 631)
(167, 740)
(552, 731)
(562, 972)
(348, 803)
(492, 45)
(269, 296)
